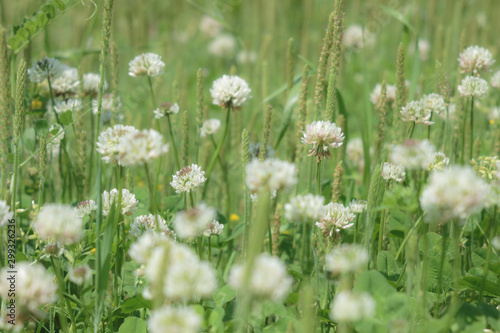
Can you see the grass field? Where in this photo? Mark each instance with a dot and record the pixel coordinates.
(249, 166)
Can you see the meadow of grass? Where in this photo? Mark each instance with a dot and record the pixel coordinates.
(249, 166)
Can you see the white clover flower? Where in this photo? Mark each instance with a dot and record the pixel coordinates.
(209, 26)
(148, 223)
(170, 319)
(141, 250)
(435, 104)
(139, 147)
(413, 155)
(453, 194)
(175, 273)
(45, 68)
(358, 206)
(351, 307)
(107, 143)
(188, 178)
(424, 47)
(108, 105)
(214, 228)
(474, 59)
(148, 64)
(187, 278)
(85, 208)
(358, 38)
(495, 80)
(55, 136)
(473, 86)
(90, 84)
(230, 91)
(66, 83)
(346, 259)
(322, 135)
(5, 213)
(335, 217)
(304, 208)
(416, 112)
(270, 175)
(69, 104)
(193, 222)
(166, 109)
(58, 223)
(354, 152)
(223, 46)
(128, 205)
(438, 162)
(209, 127)
(35, 287)
(246, 57)
(394, 172)
(268, 279)
(390, 92)
(79, 275)
(53, 249)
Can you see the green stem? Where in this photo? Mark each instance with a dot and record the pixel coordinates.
(381, 231)
(410, 130)
(225, 175)
(14, 180)
(209, 248)
(60, 280)
(257, 236)
(318, 176)
(311, 161)
(92, 145)
(463, 137)
(217, 152)
(153, 99)
(170, 131)
(457, 274)
(152, 204)
(200, 246)
(246, 218)
(471, 148)
(440, 274)
(191, 199)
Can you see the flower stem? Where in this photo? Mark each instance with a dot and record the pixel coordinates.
(176, 155)
(225, 177)
(217, 151)
(471, 147)
(60, 280)
(153, 99)
(152, 204)
(318, 176)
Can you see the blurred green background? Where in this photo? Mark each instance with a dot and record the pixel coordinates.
(172, 29)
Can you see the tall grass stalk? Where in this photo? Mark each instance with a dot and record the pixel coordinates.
(5, 110)
(101, 274)
(18, 126)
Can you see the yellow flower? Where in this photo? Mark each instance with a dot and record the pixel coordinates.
(492, 121)
(36, 104)
(140, 183)
(92, 252)
(234, 217)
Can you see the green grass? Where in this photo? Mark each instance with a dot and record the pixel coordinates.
(422, 277)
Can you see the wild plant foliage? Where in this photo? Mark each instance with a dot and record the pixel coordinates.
(166, 166)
